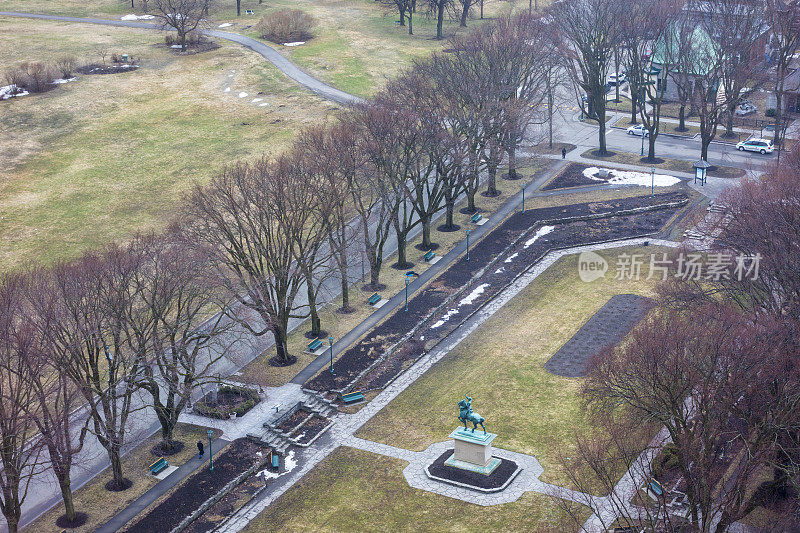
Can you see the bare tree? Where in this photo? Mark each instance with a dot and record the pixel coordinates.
(405, 8)
(19, 451)
(184, 16)
(186, 307)
(588, 30)
(437, 8)
(784, 22)
(466, 5)
(247, 219)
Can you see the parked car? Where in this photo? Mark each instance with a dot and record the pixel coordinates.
(762, 146)
(638, 129)
(745, 108)
(620, 78)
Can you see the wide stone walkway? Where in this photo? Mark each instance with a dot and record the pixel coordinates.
(342, 433)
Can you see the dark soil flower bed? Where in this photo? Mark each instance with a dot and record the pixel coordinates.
(96, 68)
(495, 480)
(293, 421)
(227, 506)
(312, 428)
(360, 356)
(195, 490)
(570, 176)
(228, 400)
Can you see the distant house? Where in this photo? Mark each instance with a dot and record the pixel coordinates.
(791, 93)
(703, 47)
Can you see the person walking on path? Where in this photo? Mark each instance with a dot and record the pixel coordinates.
(200, 448)
(563, 153)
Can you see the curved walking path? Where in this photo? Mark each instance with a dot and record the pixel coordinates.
(266, 51)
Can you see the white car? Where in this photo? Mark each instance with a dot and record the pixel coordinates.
(638, 129)
(614, 78)
(762, 146)
(745, 108)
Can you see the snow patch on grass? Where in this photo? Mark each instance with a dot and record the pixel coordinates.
(630, 177)
(296, 43)
(544, 230)
(137, 17)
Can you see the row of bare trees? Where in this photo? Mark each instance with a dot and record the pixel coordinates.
(77, 340)
(709, 50)
(716, 365)
(82, 341)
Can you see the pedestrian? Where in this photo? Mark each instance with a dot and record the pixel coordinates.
(563, 153)
(200, 448)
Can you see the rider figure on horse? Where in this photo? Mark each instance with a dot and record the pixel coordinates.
(466, 414)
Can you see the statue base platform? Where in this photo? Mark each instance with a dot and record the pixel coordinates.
(473, 451)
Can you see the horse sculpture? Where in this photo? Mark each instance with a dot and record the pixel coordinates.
(467, 415)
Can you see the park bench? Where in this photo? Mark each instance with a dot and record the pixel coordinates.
(249, 12)
(375, 298)
(430, 254)
(352, 397)
(476, 218)
(158, 466)
(656, 487)
(314, 345)
(276, 460)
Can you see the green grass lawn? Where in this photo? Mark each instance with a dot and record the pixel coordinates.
(95, 160)
(501, 366)
(352, 490)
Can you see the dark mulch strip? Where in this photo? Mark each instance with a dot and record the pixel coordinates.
(570, 176)
(605, 328)
(226, 402)
(80, 519)
(358, 357)
(96, 68)
(493, 481)
(312, 428)
(226, 506)
(293, 421)
(238, 457)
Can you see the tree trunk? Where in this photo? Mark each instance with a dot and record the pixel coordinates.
(512, 162)
(464, 13)
(601, 121)
(12, 519)
(132, 6)
(312, 306)
(374, 270)
(450, 207)
(729, 123)
(402, 10)
(426, 231)
(182, 37)
(345, 290)
(440, 20)
(116, 465)
(491, 189)
(410, 28)
(704, 148)
(481, 9)
(66, 495)
(634, 105)
(238, 8)
(682, 118)
(651, 148)
(471, 199)
(280, 343)
(401, 249)
(778, 118)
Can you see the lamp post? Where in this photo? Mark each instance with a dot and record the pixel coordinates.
(467, 245)
(642, 153)
(210, 452)
(523, 198)
(330, 340)
(406, 278)
(652, 181)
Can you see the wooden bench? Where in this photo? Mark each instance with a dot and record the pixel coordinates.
(476, 218)
(158, 466)
(352, 397)
(375, 298)
(314, 345)
(430, 254)
(276, 460)
(249, 12)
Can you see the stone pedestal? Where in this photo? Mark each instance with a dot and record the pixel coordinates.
(473, 451)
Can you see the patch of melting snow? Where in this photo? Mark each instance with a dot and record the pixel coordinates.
(243, 95)
(227, 90)
(11, 91)
(137, 17)
(289, 464)
(629, 177)
(264, 104)
(63, 80)
(500, 270)
(445, 318)
(257, 100)
(471, 297)
(296, 43)
(544, 230)
(225, 25)
(511, 258)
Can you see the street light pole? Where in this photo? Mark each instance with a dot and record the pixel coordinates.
(523, 198)
(642, 154)
(467, 245)
(406, 278)
(330, 340)
(652, 181)
(210, 452)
